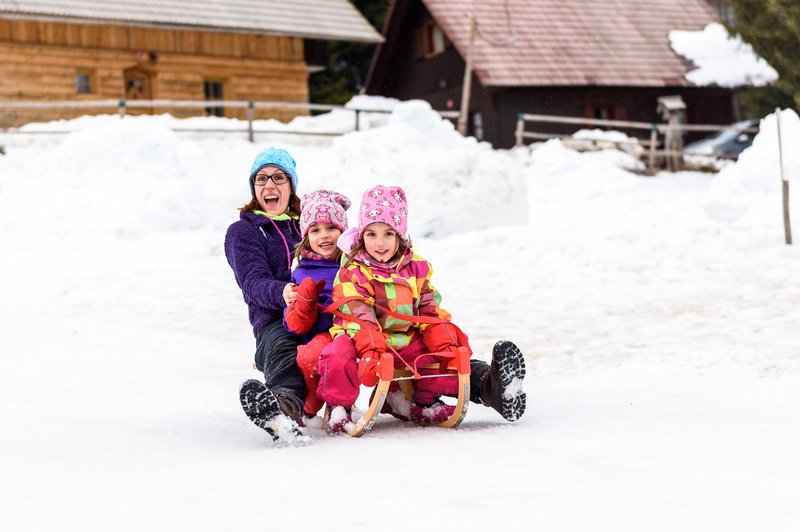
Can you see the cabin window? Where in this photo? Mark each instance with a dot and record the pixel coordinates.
(85, 81)
(433, 40)
(214, 90)
(605, 112)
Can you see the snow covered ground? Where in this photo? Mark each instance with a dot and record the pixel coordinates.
(659, 318)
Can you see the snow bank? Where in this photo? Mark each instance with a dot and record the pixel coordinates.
(454, 185)
(750, 191)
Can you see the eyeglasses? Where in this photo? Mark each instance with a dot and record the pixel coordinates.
(278, 178)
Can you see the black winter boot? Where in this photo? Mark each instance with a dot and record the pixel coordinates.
(266, 410)
(290, 409)
(501, 386)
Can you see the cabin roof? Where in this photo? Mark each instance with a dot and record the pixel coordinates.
(313, 19)
(574, 42)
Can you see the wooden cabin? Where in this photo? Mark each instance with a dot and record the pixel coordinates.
(608, 59)
(249, 50)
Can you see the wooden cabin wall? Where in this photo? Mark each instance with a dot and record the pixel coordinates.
(704, 105)
(39, 61)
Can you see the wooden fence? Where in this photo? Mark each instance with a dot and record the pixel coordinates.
(121, 107)
(657, 145)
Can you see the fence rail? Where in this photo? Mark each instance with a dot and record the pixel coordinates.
(656, 129)
(123, 105)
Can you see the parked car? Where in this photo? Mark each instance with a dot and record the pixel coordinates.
(726, 144)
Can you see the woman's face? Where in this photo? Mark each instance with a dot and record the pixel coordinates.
(273, 198)
(381, 241)
(322, 239)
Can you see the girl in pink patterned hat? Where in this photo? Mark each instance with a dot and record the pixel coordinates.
(382, 272)
(323, 217)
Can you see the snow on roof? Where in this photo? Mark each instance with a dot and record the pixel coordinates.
(575, 42)
(721, 59)
(314, 19)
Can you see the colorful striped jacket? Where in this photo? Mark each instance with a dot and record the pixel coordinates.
(404, 288)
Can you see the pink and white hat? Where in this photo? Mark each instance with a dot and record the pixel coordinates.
(323, 206)
(385, 204)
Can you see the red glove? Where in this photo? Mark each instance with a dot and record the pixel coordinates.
(440, 337)
(301, 316)
(370, 344)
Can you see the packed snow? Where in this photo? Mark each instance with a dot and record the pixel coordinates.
(658, 315)
(721, 59)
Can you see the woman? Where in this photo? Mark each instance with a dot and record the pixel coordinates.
(259, 249)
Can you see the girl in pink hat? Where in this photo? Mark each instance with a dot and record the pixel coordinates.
(383, 276)
(322, 220)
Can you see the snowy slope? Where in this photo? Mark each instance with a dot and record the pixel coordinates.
(658, 316)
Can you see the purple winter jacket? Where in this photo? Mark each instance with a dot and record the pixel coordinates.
(259, 251)
(317, 269)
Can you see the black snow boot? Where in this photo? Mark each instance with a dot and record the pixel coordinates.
(266, 410)
(501, 386)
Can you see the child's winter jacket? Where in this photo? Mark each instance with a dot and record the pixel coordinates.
(404, 288)
(316, 269)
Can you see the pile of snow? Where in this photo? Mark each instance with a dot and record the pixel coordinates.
(721, 59)
(750, 192)
(599, 139)
(424, 154)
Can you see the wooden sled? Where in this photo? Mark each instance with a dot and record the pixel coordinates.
(455, 366)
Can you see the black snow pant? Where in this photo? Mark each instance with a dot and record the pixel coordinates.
(477, 369)
(276, 356)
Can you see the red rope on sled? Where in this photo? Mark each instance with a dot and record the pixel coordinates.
(463, 340)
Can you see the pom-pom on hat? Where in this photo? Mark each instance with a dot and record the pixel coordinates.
(323, 206)
(274, 157)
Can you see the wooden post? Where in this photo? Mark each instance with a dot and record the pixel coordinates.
(466, 85)
(358, 111)
(250, 115)
(653, 141)
(787, 226)
(518, 133)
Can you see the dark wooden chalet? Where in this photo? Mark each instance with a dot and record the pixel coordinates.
(83, 50)
(596, 59)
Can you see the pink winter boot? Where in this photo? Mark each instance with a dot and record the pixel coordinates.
(433, 414)
(338, 419)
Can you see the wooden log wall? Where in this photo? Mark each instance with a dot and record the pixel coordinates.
(39, 62)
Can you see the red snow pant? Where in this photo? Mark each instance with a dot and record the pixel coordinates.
(338, 371)
(307, 360)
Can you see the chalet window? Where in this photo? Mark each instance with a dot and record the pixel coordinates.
(85, 81)
(605, 112)
(213, 90)
(433, 40)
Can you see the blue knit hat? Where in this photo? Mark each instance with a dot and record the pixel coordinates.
(274, 157)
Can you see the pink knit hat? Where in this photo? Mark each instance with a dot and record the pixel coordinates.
(385, 204)
(323, 206)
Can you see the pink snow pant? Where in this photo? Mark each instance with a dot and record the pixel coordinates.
(338, 370)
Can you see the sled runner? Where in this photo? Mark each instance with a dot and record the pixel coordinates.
(393, 368)
(451, 365)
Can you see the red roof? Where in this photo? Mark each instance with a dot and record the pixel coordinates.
(575, 42)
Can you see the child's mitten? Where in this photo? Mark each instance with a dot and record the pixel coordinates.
(302, 314)
(370, 344)
(440, 337)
